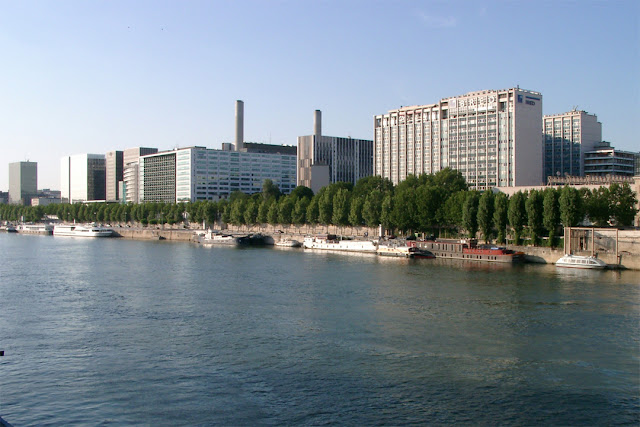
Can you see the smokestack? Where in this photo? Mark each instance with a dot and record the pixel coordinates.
(239, 125)
(317, 123)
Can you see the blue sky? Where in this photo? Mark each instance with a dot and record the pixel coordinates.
(94, 76)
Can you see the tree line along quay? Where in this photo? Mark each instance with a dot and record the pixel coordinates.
(438, 204)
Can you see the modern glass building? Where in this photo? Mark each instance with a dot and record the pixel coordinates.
(492, 137)
(131, 172)
(567, 137)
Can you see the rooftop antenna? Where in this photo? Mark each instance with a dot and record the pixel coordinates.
(575, 108)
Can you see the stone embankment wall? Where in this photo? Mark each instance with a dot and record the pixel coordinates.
(628, 251)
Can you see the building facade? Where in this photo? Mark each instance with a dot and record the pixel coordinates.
(567, 137)
(198, 173)
(23, 182)
(606, 160)
(131, 172)
(82, 178)
(114, 170)
(157, 177)
(323, 160)
(492, 137)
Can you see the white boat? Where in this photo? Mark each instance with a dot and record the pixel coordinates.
(329, 242)
(577, 261)
(35, 229)
(215, 238)
(288, 243)
(74, 230)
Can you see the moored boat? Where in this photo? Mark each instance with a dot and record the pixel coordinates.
(73, 230)
(288, 243)
(467, 250)
(577, 261)
(329, 242)
(44, 229)
(215, 238)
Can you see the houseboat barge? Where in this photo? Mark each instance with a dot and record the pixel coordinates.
(468, 250)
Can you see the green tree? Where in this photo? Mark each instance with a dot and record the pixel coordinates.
(385, 212)
(404, 213)
(470, 213)
(340, 212)
(301, 192)
(500, 219)
(551, 214)
(251, 211)
(270, 190)
(355, 212)
(571, 207)
(485, 214)
(272, 215)
(597, 206)
(517, 215)
(300, 210)
(450, 214)
(535, 208)
(313, 211)
(371, 208)
(285, 210)
(429, 200)
(622, 204)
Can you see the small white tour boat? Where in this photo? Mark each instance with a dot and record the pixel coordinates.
(577, 261)
(330, 242)
(74, 230)
(45, 229)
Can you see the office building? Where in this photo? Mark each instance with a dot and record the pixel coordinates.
(113, 173)
(82, 178)
(157, 179)
(492, 137)
(23, 182)
(131, 172)
(567, 137)
(198, 173)
(605, 160)
(323, 160)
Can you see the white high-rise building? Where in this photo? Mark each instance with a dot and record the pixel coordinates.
(567, 137)
(492, 137)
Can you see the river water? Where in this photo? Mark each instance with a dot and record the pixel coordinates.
(121, 332)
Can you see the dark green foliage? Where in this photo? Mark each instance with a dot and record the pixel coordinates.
(485, 214)
(470, 213)
(551, 213)
(517, 215)
(571, 207)
(622, 204)
(534, 207)
(500, 218)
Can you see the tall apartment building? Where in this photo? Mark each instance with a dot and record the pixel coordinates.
(83, 178)
(131, 172)
(114, 169)
(605, 160)
(567, 137)
(323, 160)
(492, 137)
(198, 173)
(23, 182)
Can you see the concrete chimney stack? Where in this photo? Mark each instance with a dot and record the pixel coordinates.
(317, 123)
(239, 125)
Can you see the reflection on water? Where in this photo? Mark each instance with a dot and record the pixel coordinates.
(126, 332)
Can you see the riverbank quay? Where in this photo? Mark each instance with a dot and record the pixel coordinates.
(625, 258)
